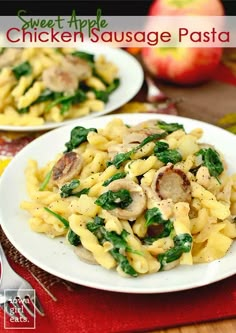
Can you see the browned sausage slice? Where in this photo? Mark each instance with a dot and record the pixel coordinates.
(171, 183)
(66, 168)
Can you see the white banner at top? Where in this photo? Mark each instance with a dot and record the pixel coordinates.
(117, 31)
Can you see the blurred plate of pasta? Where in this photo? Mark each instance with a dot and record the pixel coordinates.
(146, 201)
(44, 88)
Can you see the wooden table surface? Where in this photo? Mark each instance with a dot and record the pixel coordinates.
(207, 102)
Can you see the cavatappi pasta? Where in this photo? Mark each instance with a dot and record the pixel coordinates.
(137, 199)
(39, 85)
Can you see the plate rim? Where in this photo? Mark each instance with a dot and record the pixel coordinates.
(113, 288)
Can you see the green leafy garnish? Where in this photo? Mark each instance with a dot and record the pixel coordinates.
(67, 101)
(161, 146)
(123, 157)
(169, 156)
(169, 127)
(113, 86)
(211, 159)
(59, 217)
(183, 241)
(166, 155)
(123, 262)
(73, 238)
(116, 176)
(153, 215)
(46, 181)
(23, 69)
(23, 110)
(78, 135)
(84, 55)
(120, 158)
(67, 189)
(157, 226)
(167, 229)
(96, 224)
(118, 241)
(183, 244)
(102, 95)
(46, 95)
(111, 200)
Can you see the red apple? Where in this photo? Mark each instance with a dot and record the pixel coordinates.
(186, 7)
(182, 65)
(178, 64)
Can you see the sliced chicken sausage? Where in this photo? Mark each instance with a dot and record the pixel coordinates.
(60, 80)
(171, 183)
(66, 168)
(80, 67)
(138, 204)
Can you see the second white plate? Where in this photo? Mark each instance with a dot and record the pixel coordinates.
(131, 77)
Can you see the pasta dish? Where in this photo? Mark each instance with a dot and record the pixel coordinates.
(41, 85)
(139, 199)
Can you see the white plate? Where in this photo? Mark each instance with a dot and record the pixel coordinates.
(56, 257)
(131, 77)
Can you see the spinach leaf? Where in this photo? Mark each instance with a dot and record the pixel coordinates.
(211, 159)
(59, 217)
(111, 200)
(46, 181)
(113, 86)
(157, 226)
(73, 238)
(78, 135)
(116, 176)
(166, 155)
(67, 189)
(169, 127)
(23, 110)
(123, 157)
(78, 97)
(97, 223)
(84, 55)
(65, 107)
(150, 138)
(23, 69)
(160, 146)
(153, 215)
(2, 50)
(123, 262)
(101, 95)
(183, 243)
(46, 95)
(167, 229)
(120, 158)
(118, 241)
(169, 156)
(170, 255)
